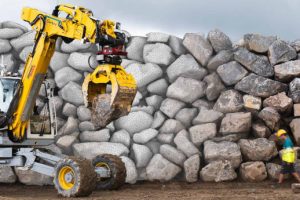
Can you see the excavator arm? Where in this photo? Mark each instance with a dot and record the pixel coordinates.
(80, 25)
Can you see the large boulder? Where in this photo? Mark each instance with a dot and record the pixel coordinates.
(69, 110)
(82, 61)
(90, 150)
(285, 72)
(176, 45)
(10, 33)
(135, 48)
(171, 126)
(225, 150)
(71, 126)
(65, 144)
(218, 171)
(207, 116)
(260, 149)
(171, 106)
(273, 170)
(24, 40)
(184, 144)
(95, 136)
(214, 86)
(186, 115)
(158, 120)
(253, 171)
(200, 133)
(191, 168)
(198, 46)
(229, 101)
(295, 127)
(186, 90)
(252, 103)
(23, 54)
(84, 113)
(258, 64)
(280, 51)
(72, 93)
(231, 72)
(294, 89)
(271, 118)
(172, 154)
(279, 102)
(134, 122)
(259, 43)
(154, 101)
(158, 53)
(144, 73)
(145, 136)
(75, 46)
(58, 61)
(185, 66)
(161, 169)
(122, 137)
(219, 40)
(29, 177)
(5, 46)
(158, 87)
(131, 171)
(65, 75)
(12, 24)
(7, 175)
(154, 37)
(236, 123)
(260, 86)
(260, 130)
(221, 58)
(141, 154)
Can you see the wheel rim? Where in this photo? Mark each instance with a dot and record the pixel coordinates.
(66, 178)
(100, 165)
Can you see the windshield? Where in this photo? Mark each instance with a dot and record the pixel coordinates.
(8, 87)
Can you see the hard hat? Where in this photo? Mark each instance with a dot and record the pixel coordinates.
(280, 132)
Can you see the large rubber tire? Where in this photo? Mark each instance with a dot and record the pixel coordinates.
(84, 177)
(117, 172)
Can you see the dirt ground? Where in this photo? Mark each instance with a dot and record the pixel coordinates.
(170, 191)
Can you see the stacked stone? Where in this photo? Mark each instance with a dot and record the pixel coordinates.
(205, 108)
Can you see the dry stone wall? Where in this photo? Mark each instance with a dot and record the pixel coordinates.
(204, 111)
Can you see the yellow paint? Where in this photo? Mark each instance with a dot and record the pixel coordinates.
(64, 184)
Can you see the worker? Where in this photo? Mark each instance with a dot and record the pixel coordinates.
(288, 156)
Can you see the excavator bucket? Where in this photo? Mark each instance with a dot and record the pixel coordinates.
(109, 91)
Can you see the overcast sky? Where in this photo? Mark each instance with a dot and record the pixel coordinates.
(234, 17)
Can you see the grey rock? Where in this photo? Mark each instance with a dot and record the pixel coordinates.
(72, 93)
(171, 106)
(229, 138)
(260, 149)
(172, 154)
(296, 110)
(144, 73)
(86, 126)
(135, 48)
(221, 58)
(65, 75)
(122, 137)
(231, 73)
(200, 133)
(154, 101)
(95, 136)
(90, 150)
(142, 155)
(138, 97)
(207, 116)
(214, 86)
(253, 171)
(184, 144)
(145, 136)
(171, 126)
(166, 138)
(203, 103)
(131, 171)
(83, 113)
(126, 62)
(219, 40)
(161, 169)
(158, 87)
(236, 123)
(10, 62)
(23, 54)
(158, 120)
(147, 109)
(296, 45)
(65, 143)
(5, 46)
(229, 101)
(252, 103)
(218, 171)
(295, 127)
(176, 45)
(83, 61)
(279, 102)
(225, 150)
(186, 115)
(7, 175)
(70, 127)
(294, 89)
(186, 89)
(12, 24)
(191, 168)
(157, 37)
(259, 43)
(198, 46)
(280, 51)
(158, 53)
(259, 130)
(258, 64)
(134, 122)
(75, 45)
(271, 117)
(259, 86)
(24, 40)
(58, 61)
(154, 146)
(185, 66)
(285, 72)
(273, 170)
(29, 177)
(10, 33)
(69, 110)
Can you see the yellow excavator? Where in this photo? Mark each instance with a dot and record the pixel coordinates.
(24, 135)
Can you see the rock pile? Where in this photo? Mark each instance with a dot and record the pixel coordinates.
(204, 110)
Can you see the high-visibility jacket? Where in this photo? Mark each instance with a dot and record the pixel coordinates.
(288, 155)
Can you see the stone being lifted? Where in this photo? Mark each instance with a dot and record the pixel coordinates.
(204, 110)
